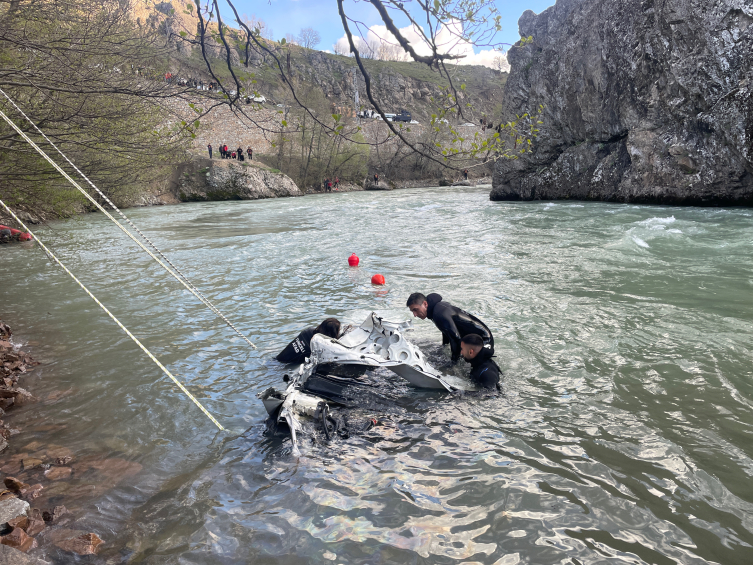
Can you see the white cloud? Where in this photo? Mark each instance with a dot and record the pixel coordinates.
(380, 43)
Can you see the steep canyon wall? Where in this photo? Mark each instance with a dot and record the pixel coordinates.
(646, 101)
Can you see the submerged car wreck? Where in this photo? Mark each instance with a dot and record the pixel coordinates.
(337, 364)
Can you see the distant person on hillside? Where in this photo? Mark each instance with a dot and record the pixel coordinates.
(233, 155)
(300, 348)
(209, 148)
(376, 178)
(484, 371)
(240, 153)
(453, 322)
(465, 174)
(250, 153)
(337, 182)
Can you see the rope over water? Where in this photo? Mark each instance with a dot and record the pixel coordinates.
(133, 337)
(175, 272)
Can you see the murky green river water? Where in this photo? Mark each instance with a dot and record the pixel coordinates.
(624, 434)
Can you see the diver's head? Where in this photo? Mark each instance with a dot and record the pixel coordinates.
(470, 346)
(418, 305)
(329, 327)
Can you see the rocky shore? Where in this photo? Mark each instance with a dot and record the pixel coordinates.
(205, 180)
(28, 520)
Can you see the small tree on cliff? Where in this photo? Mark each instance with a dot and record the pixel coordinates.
(309, 38)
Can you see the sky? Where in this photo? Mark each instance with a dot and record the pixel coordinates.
(290, 16)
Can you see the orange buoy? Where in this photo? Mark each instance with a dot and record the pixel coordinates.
(377, 279)
(353, 260)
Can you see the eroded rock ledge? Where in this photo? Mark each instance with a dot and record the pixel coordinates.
(647, 101)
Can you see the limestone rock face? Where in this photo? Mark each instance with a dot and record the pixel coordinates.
(644, 101)
(231, 180)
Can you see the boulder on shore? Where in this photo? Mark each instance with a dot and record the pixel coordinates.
(214, 179)
(462, 183)
(647, 101)
(371, 185)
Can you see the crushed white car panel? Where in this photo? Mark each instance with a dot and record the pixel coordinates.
(380, 343)
(375, 343)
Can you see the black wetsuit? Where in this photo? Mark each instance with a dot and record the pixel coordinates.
(484, 371)
(298, 349)
(455, 323)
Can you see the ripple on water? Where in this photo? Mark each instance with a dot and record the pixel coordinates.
(623, 432)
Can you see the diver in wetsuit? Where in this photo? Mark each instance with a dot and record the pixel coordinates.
(484, 371)
(300, 348)
(453, 322)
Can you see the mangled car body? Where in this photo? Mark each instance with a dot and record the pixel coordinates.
(339, 363)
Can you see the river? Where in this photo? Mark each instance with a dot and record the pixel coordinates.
(624, 433)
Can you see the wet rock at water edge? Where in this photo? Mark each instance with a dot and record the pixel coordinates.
(36, 523)
(75, 541)
(19, 396)
(58, 515)
(32, 524)
(34, 491)
(10, 556)
(30, 463)
(11, 508)
(19, 522)
(462, 183)
(14, 485)
(18, 539)
(55, 473)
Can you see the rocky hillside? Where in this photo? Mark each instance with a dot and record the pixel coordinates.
(645, 101)
(396, 85)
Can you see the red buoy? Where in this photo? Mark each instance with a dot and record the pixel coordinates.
(377, 279)
(353, 260)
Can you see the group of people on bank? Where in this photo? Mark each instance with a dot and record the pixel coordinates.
(227, 153)
(467, 336)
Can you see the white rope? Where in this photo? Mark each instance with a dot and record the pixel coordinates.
(179, 276)
(133, 337)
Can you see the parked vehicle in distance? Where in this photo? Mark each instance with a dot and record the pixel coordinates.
(402, 116)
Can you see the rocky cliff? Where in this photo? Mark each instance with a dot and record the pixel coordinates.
(645, 101)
